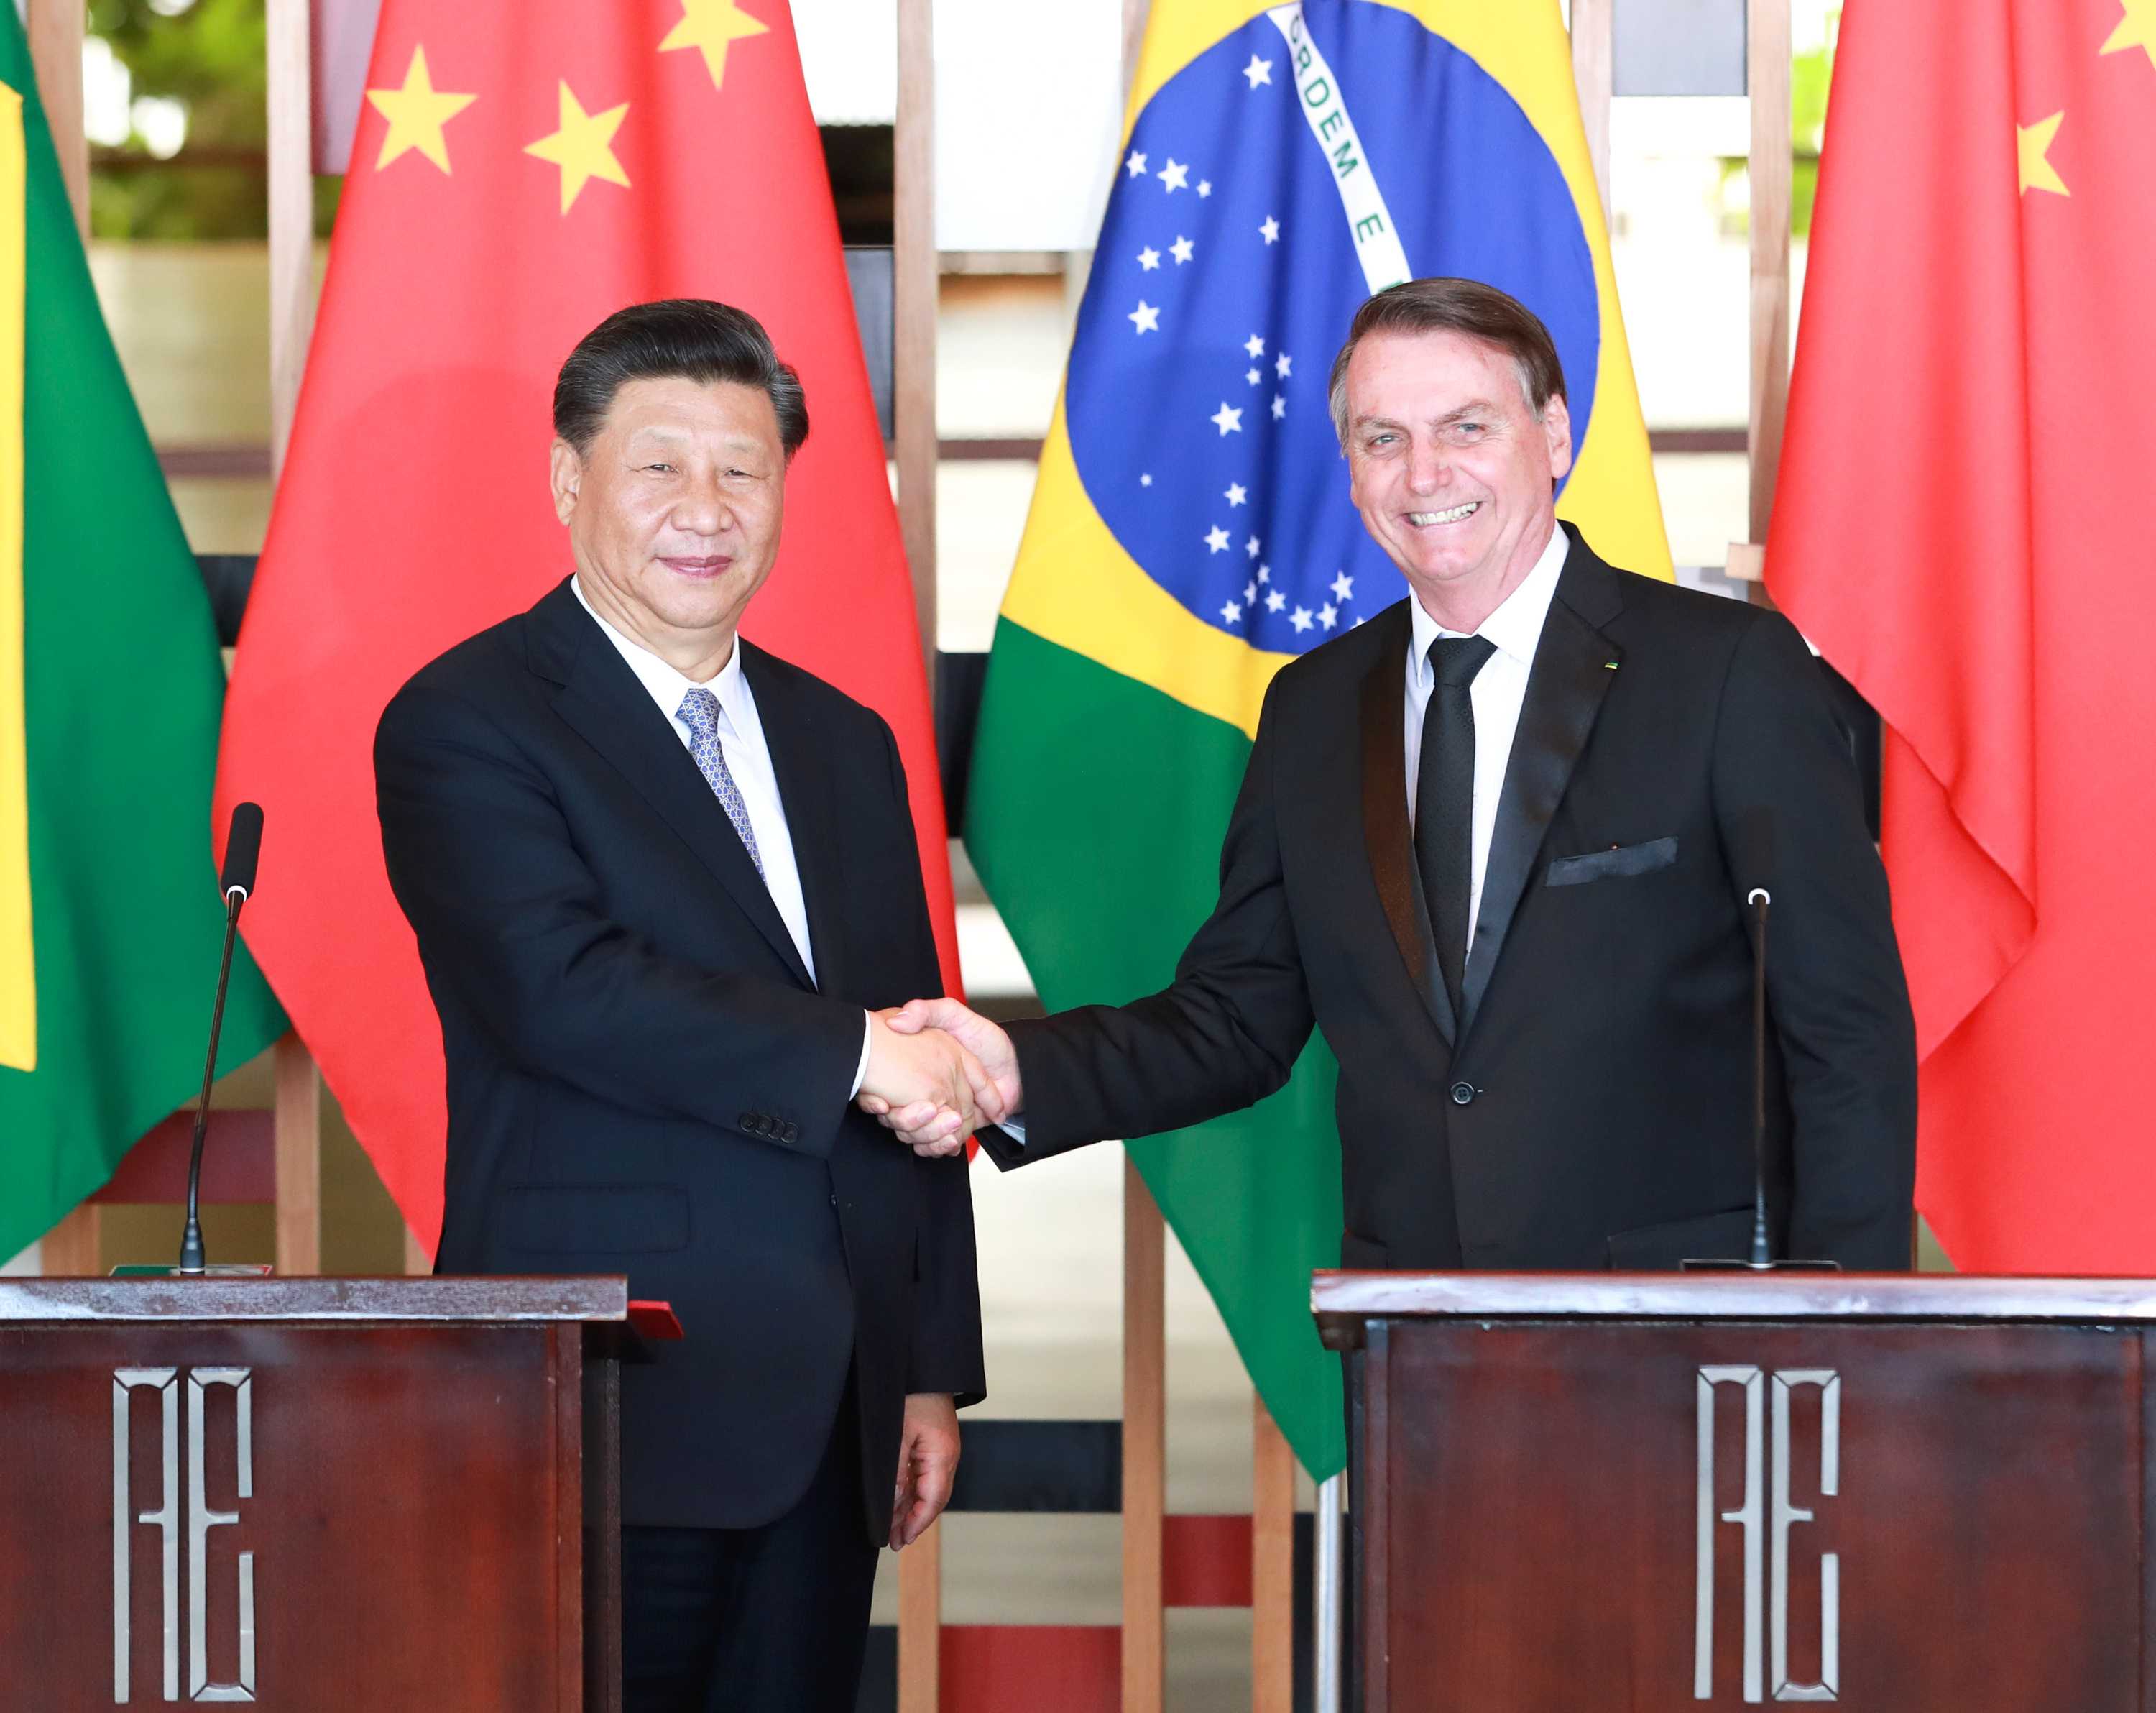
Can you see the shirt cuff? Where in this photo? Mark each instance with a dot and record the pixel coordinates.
(1015, 1127)
(861, 1070)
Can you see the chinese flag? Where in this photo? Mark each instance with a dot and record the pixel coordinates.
(522, 169)
(1961, 526)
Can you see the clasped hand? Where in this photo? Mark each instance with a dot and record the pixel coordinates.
(959, 1070)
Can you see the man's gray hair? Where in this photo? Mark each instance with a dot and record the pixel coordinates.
(1466, 306)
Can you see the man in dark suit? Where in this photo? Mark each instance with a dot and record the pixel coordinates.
(1493, 843)
(661, 880)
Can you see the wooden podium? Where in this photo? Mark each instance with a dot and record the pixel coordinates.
(310, 1493)
(1664, 1492)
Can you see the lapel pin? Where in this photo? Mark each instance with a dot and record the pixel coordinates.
(1610, 666)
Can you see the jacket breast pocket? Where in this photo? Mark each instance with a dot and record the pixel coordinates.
(595, 1219)
(1618, 861)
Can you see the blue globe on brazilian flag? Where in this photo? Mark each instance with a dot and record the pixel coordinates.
(1191, 529)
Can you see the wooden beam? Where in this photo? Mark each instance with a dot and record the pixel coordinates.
(298, 1120)
(1145, 1446)
(914, 286)
(1135, 14)
(72, 1248)
(1594, 62)
(298, 1104)
(920, 1623)
(56, 33)
(1768, 49)
(291, 215)
(1272, 1565)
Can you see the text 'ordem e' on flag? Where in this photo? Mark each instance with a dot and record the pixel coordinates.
(1191, 531)
(110, 682)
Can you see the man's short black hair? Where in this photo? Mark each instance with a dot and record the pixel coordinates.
(690, 336)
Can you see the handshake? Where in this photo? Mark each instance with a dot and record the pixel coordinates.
(936, 1073)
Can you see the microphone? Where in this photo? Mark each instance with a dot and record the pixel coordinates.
(1752, 858)
(242, 850)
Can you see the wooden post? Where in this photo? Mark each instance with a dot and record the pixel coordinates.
(1767, 77)
(1593, 60)
(921, 1622)
(71, 1247)
(56, 33)
(298, 1108)
(914, 287)
(1145, 1445)
(1272, 1565)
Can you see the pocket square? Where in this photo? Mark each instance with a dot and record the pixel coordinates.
(1617, 862)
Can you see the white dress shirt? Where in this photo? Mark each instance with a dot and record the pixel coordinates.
(1498, 691)
(748, 759)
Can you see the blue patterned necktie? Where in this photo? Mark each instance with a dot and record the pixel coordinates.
(699, 713)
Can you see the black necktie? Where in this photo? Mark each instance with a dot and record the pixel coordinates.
(1444, 802)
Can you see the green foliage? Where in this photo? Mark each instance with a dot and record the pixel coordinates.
(1810, 74)
(211, 57)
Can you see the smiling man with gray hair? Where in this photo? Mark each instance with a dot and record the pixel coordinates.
(1495, 843)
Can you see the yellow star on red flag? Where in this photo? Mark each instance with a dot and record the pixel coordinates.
(417, 113)
(712, 25)
(2033, 143)
(2137, 29)
(583, 148)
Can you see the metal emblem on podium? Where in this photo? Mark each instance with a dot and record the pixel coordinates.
(166, 1519)
(1767, 1514)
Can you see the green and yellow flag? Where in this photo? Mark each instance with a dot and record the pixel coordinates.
(111, 686)
(1191, 532)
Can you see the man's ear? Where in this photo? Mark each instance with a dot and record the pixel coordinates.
(565, 470)
(1557, 423)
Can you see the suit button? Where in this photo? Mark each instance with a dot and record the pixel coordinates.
(755, 1123)
(1462, 1092)
(791, 1132)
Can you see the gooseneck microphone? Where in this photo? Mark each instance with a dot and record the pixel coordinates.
(1752, 850)
(242, 850)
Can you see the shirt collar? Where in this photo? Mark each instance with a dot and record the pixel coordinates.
(1516, 627)
(665, 685)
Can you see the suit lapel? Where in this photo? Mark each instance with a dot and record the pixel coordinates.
(1572, 673)
(801, 759)
(601, 699)
(1385, 830)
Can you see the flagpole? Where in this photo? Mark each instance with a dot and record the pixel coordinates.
(1328, 1581)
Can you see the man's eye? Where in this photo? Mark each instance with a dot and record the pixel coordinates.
(663, 469)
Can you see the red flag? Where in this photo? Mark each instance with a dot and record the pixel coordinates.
(1959, 526)
(522, 169)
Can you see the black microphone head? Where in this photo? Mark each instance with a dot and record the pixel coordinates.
(242, 850)
(1751, 848)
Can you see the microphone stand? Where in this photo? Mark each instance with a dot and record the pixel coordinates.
(193, 1264)
(1759, 899)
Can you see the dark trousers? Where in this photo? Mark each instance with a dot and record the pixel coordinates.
(766, 1620)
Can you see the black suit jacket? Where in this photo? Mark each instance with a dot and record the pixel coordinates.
(1594, 1108)
(642, 1077)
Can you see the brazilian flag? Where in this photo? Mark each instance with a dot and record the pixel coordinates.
(110, 685)
(1191, 531)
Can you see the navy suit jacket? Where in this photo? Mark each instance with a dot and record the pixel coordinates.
(1592, 1106)
(642, 1077)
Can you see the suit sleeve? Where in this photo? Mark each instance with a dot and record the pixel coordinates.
(946, 1354)
(509, 916)
(1836, 997)
(1223, 1035)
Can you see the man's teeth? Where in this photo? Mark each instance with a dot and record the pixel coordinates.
(1423, 518)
